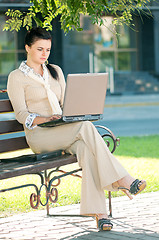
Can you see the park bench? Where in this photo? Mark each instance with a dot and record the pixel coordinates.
(45, 165)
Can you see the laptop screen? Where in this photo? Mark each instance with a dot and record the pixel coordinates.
(85, 94)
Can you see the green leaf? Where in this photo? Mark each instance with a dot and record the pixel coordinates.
(79, 29)
(70, 10)
(39, 23)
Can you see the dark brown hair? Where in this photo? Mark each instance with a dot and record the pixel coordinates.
(38, 33)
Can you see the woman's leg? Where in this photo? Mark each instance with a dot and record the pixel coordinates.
(100, 168)
(92, 195)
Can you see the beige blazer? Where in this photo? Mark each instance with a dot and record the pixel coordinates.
(29, 96)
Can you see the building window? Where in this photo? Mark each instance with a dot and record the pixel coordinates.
(84, 37)
(11, 51)
(119, 52)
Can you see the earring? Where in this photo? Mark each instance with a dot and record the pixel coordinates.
(46, 62)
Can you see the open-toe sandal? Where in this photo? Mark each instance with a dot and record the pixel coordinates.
(104, 221)
(135, 188)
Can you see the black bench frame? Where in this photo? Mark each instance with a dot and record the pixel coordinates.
(38, 164)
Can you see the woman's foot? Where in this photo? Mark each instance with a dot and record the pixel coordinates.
(137, 186)
(130, 185)
(103, 223)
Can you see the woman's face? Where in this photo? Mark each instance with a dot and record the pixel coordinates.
(39, 51)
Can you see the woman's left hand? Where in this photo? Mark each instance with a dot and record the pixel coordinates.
(55, 116)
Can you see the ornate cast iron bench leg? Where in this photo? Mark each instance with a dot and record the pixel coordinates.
(51, 189)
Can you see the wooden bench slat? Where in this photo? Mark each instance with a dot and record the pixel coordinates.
(10, 126)
(5, 106)
(17, 169)
(13, 144)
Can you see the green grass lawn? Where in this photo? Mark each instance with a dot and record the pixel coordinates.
(139, 155)
(146, 147)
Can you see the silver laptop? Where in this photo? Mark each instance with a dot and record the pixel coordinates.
(84, 98)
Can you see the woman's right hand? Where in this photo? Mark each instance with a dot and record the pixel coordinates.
(39, 120)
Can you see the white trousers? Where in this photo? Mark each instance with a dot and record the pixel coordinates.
(99, 167)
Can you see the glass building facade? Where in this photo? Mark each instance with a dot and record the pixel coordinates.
(95, 49)
(11, 48)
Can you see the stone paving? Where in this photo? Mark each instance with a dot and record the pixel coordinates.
(132, 219)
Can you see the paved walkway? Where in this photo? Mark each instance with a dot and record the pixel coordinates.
(135, 219)
(132, 115)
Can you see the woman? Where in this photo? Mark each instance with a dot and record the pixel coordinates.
(37, 91)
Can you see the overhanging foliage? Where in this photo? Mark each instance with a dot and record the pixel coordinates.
(44, 11)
